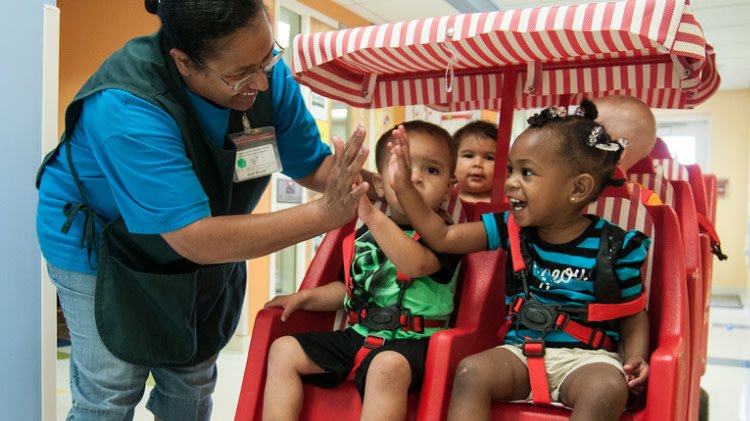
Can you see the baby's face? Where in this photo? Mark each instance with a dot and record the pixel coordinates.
(430, 172)
(476, 165)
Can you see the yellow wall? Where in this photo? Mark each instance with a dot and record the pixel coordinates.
(729, 154)
(89, 32)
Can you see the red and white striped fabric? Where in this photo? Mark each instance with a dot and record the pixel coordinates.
(651, 49)
(658, 183)
(629, 214)
(672, 169)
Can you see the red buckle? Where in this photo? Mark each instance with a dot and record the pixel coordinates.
(597, 338)
(417, 325)
(533, 348)
(516, 305)
(373, 342)
(561, 321)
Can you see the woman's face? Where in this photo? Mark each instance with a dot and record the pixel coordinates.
(240, 57)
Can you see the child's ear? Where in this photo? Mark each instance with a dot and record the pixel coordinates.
(449, 190)
(582, 188)
(377, 183)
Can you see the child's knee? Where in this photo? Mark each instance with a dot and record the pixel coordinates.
(468, 373)
(282, 351)
(389, 366)
(613, 386)
(606, 390)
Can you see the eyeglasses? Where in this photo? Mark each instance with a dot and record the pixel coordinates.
(250, 77)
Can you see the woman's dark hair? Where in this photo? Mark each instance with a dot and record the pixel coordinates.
(415, 126)
(195, 26)
(584, 144)
(477, 128)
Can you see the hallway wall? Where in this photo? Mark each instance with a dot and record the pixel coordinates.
(20, 119)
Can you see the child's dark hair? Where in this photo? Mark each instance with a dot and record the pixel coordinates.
(585, 145)
(195, 26)
(415, 126)
(477, 128)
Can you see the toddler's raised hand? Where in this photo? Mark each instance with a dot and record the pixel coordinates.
(636, 374)
(399, 167)
(365, 209)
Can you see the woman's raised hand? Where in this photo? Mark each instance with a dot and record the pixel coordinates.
(345, 185)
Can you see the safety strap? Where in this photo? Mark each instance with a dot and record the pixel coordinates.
(593, 337)
(707, 227)
(533, 348)
(371, 342)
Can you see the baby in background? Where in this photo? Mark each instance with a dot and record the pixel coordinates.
(475, 164)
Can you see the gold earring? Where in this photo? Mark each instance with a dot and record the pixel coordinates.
(572, 198)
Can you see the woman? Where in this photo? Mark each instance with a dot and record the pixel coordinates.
(144, 208)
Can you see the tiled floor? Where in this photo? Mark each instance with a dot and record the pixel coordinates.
(727, 378)
(231, 365)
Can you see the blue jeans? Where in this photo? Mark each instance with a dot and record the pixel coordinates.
(104, 387)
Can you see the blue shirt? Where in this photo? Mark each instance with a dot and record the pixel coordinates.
(131, 159)
(562, 273)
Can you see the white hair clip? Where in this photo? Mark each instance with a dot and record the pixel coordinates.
(556, 112)
(593, 139)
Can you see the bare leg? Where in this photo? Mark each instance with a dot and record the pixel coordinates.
(283, 397)
(596, 392)
(493, 375)
(386, 387)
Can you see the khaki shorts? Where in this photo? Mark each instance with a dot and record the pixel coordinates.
(560, 362)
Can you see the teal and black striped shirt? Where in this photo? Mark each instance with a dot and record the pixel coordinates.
(562, 273)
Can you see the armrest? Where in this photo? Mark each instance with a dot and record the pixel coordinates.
(268, 326)
(447, 348)
(668, 381)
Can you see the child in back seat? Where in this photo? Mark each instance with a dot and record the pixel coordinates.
(555, 168)
(390, 313)
(475, 165)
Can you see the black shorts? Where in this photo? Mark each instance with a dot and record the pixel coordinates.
(334, 352)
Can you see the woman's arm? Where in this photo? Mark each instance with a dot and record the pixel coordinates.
(240, 237)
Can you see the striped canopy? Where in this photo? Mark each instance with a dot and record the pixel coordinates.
(650, 49)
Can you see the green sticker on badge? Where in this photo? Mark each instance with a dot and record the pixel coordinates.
(241, 163)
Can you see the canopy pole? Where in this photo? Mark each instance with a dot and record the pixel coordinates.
(505, 128)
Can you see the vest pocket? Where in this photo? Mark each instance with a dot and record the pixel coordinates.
(146, 318)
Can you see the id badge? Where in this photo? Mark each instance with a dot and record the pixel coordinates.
(257, 153)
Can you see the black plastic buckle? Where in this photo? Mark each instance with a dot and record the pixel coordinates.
(533, 353)
(537, 316)
(381, 318)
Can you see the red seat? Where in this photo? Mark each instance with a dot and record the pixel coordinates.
(665, 279)
(475, 323)
(677, 194)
